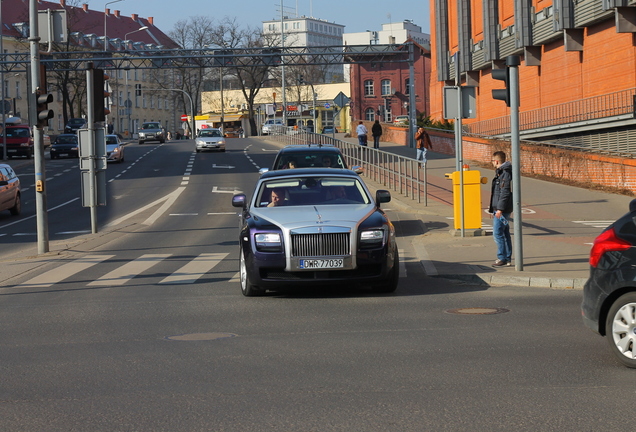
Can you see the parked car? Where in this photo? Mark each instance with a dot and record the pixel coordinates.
(9, 190)
(152, 131)
(210, 139)
(65, 145)
(273, 126)
(20, 140)
(609, 295)
(74, 124)
(401, 120)
(329, 130)
(114, 149)
(309, 156)
(315, 226)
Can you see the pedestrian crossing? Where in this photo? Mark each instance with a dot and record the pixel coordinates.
(596, 224)
(189, 273)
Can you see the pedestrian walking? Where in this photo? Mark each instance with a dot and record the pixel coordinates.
(501, 208)
(361, 131)
(376, 132)
(423, 145)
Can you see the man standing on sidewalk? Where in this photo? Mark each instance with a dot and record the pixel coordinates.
(423, 145)
(501, 206)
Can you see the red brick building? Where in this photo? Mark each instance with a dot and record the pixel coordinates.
(376, 86)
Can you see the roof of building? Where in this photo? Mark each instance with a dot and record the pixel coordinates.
(87, 26)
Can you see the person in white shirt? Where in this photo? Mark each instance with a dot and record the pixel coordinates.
(361, 131)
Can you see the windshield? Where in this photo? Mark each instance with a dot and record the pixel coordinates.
(76, 122)
(303, 191)
(310, 159)
(111, 139)
(69, 139)
(151, 126)
(210, 133)
(18, 133)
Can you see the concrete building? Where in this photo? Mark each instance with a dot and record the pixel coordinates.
(578, 65)
(310, 32)
(391, 33)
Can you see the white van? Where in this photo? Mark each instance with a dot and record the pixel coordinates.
(272, 126)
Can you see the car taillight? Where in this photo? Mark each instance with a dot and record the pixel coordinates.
(607, 242)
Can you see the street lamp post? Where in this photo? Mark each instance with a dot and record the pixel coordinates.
(106, 16)
(128, 102)
(192, 125)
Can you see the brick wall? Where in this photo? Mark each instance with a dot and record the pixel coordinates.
(607, 171)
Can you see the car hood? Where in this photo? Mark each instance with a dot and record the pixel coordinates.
(111, 147)
(294, 217)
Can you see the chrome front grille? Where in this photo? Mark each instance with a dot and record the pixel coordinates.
(315, 245)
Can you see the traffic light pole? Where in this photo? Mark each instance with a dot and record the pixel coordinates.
(513, 64)
(92, 181)
(41, 211)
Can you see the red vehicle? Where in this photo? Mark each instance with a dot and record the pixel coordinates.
(20, 139)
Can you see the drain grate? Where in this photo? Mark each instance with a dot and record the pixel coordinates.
(200, 336)
(477, 311)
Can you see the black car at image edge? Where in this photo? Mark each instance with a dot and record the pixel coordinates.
(609, 295)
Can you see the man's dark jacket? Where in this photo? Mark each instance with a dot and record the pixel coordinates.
(501, 196)
(376, 129)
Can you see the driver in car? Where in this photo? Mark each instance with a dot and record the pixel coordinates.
(277, 198)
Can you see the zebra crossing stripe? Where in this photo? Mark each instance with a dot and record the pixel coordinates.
(123, 274)
(196, 268)
(58, 274)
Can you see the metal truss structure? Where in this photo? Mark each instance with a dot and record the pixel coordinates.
(211, 57)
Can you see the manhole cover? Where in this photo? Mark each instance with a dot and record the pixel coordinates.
(200, 336)
(478, 311)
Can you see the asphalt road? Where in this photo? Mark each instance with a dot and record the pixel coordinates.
(145, 329)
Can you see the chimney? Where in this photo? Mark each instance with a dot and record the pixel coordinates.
(63, 3)
(107, 12)
(134, 17)
(117, 14)
(151, 20)
(85, 7)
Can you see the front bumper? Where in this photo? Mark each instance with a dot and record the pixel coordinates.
(210, 146)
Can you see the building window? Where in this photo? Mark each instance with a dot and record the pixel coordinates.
(369, 114)
(18, 92)
(6, 89)
(386, 87)
(407, 86)
(121, 98)
(368, 88)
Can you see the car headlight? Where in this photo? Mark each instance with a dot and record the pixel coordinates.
(268, 242)
(372, 238)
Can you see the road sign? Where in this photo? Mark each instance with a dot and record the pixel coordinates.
(341, 100)
(327, 105)
(184, 117)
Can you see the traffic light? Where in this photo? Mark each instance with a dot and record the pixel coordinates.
(100, 96)
(271, 56)
(503, 75)
(42, 99)
(301, 79)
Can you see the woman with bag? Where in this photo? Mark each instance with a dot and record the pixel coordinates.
(423, 145)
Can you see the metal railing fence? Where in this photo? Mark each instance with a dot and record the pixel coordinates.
(401, 174)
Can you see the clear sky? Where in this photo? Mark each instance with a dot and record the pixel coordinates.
(355, 15)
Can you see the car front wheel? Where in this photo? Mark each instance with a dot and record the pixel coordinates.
(390, 284)
(621, 329)
(247, 288)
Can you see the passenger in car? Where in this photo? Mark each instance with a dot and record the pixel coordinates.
(326, 162)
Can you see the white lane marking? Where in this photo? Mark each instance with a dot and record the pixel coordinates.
(215, 189)
(402, 264)
(60, 273)
(596, 224)
(183, 214)
(73, 232)
(222, 213)
(223, 166)
(169, 200)
(196, 268)
(421, 253)
(126, 272)
(24, 234)
(235, 278)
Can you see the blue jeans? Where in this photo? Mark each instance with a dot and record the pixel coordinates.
(501, 234)
(362, 140)
(376, 142)
(421, 155)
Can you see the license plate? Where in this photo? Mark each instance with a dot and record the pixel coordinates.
(63, 154)
(321, 263)
(11, 151)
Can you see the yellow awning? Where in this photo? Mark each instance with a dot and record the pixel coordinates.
(226, 117)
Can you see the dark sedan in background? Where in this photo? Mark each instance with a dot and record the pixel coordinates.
(65, 145)
(609, 295)
(315, 226)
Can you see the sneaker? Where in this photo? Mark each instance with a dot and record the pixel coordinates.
(500, 263)
(508, 263)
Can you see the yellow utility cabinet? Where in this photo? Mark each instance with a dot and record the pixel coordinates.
(472, 199)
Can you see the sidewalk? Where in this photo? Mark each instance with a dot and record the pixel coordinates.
(558, 231)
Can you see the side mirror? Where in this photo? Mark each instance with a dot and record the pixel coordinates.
(357, 169)
(262, 171)
(238, 200)
(382, 196)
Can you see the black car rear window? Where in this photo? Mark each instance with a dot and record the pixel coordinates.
(310, 159)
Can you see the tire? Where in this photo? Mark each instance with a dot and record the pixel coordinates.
(620, 329)
(17, 207)
(390, 284)
(198, 151)
(162, 142)
(52, 157)
(247, 288)
(140, 142)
